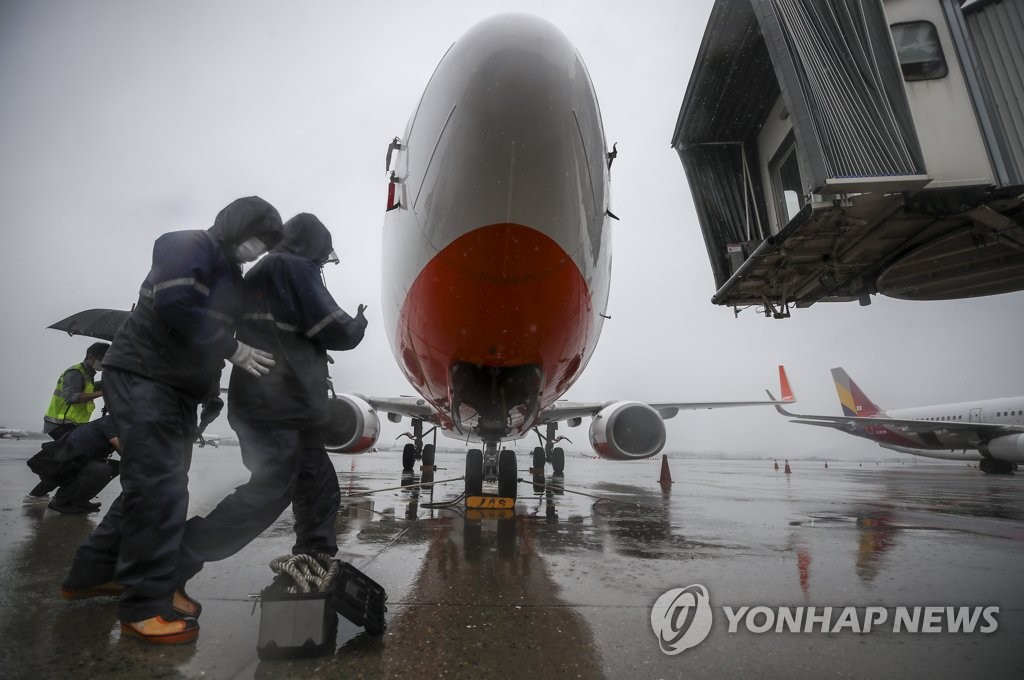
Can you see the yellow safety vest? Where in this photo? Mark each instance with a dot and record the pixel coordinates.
(61, 411)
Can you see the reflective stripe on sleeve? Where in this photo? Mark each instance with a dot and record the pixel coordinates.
(323, 323)
(186, 281)
(219, 316)
(270, 317)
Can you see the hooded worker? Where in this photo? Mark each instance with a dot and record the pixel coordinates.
(278, 417)
(161, 365)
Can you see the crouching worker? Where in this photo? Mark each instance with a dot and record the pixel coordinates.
(288, 310)
(80, 464)
(161, 365)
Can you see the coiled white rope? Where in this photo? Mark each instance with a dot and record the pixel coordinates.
(308, 573)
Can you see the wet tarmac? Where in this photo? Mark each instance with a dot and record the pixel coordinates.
(563, 587)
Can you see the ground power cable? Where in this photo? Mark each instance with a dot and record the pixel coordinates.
(404, 486)
(600, 499)
(441, 504)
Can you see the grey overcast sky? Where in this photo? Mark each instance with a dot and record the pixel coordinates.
(121, 120)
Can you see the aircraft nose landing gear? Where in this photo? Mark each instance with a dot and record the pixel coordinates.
(491, 466)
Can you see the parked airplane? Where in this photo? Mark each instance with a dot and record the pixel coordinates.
(497, 259)
(496, 262)
(991, 431)
(8, 433)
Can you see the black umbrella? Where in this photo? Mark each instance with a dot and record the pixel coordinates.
(95, 323)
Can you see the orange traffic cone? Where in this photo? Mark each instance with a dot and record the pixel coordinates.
(787, 470)
(776, 465)
(666, 476)
(826, 466)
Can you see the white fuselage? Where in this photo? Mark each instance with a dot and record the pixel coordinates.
(1003, 411)
(497, 257)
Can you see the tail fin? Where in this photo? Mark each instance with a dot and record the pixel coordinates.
(787, 391)
(852, 399)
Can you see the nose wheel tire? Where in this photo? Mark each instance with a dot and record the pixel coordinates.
(474, 472)
(507, 477)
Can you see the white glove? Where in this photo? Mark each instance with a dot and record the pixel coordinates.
(255, 361)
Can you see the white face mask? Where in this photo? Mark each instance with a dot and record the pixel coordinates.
(250, 250)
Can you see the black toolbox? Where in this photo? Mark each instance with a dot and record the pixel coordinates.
(359, 599)
(299, 625)
(295, 625)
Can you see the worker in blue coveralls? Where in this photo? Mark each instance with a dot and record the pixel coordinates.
(80, 464)
(278, 418)
(161, 365)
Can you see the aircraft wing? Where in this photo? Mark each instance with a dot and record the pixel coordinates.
(567, 410)
(410, 407)
(669, 410)
(417, 407)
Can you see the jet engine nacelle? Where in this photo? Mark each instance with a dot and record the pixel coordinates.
(1009, 447)
(627, 430)
(353, 425)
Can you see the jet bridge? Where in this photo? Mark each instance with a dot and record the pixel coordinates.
(837, 149)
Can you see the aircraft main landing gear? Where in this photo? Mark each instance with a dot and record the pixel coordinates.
(549, 453)
(416, 449)
(991, 466)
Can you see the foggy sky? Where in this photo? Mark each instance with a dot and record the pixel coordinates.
(121, 120)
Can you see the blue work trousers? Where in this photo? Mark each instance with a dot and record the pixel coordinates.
(138, 540)
(288, 467)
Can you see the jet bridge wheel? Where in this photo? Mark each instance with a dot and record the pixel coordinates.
(428, 454)
(474, 472)
(408, 456)
(558, 460)
(507, 474)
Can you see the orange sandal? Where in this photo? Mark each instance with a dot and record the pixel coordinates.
(158, 630)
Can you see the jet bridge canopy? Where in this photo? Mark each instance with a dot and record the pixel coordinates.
(821, 170)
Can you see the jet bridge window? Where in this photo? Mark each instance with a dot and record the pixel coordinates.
(919, 51)
(784, 170)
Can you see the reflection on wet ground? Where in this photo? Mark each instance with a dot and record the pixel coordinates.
(563, 584)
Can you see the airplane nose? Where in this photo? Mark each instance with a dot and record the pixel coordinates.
(508, 132)
(500, 228)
